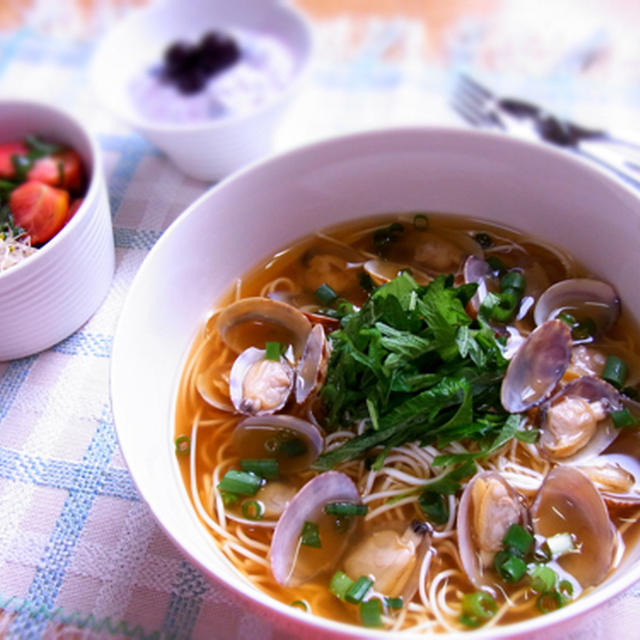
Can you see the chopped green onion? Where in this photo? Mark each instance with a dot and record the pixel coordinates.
(542, 553)
(301, 604)
(345, 509)
(340, 584)
(510, 567)
(469, 621)
(483, 239)
(559, 544)
(623, 418)
(479, 606)
(382, 238)
(325, 294)
(504, 309)
(517, 537)
(240, 482)
(229, 498)
(273, 351)
(359, 590)
(420, 221)
(394, 603)
(565, 588)
(263, 467)
(252, 509)
(615, 371)
(586, 328)
(371, 613)
(183, 445)
(513, 280)
(568, 319)
(310, 535)
(543, 578)
(496, 264)
(553, 599)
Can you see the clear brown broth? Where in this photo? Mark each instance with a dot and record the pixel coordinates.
(214, 443)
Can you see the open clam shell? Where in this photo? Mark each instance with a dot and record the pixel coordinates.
(581, 298)
(312, 366)
(574, 422)
(568, 502)
(252, 322)
(537, 367)
(477, 270)
(616, 472)
(488, 507)
(383, 271)
(295, 443)
(293, 563)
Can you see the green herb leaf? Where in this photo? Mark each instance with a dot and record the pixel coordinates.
(413, 364)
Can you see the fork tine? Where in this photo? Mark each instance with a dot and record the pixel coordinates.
(473, 105)
(469, 112)
(472, 85)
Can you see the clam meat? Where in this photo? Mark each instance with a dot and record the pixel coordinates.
(488, 507)
(575, 421)
(392, 556)
(258, 385)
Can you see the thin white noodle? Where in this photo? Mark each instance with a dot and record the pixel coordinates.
(443, 576)
(242, 534)
(388, 507)
(400, 476)
(368, 485)
(385, 495)
(218, 528)
(238, 548)
(422, 581)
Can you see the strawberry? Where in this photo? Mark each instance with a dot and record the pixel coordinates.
(74, 206)
(61, 169)
(41, 210)
(7, 150)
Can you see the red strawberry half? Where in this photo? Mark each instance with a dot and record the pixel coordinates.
(62, 169)
(7, 151)
(41, 210)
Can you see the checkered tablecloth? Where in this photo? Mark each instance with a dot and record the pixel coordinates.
(80, 553)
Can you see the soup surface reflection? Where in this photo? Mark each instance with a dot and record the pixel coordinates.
(416, 422)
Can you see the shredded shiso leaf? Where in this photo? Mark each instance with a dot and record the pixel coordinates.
(414, 365)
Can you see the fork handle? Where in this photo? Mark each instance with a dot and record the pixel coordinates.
(627, 168)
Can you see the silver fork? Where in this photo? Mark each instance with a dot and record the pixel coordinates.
(480, 107)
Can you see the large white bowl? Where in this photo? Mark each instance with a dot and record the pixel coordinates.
(256, 212)
(212, 149)
(52, 293)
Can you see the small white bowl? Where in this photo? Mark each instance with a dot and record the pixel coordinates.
(210, 149)
(535, 189)
(50, 294)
